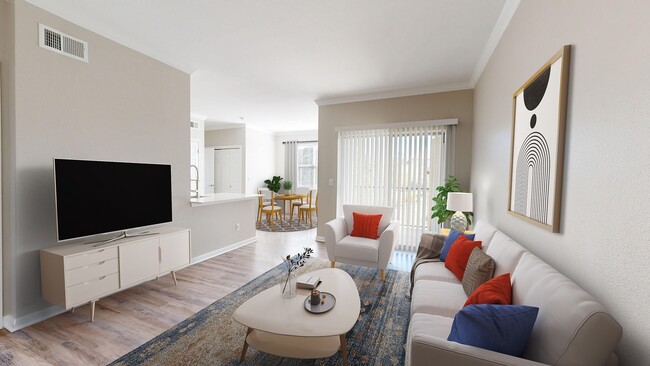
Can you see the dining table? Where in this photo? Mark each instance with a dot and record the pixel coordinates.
(289, 197)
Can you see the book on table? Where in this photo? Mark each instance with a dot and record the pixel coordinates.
(308, 281)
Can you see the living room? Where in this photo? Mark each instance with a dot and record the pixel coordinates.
(125, 106)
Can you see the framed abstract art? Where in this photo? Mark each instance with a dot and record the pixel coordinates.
(537, 149)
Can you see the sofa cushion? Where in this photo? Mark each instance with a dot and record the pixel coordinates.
(433, 325)
(386, 212)
(459, 255)
(435, 271)
(362, 249)
(437, 298)
(499, 328)
(450, 240)
(505, 252)
(572, 328)
(484, 233)
(495, 291)
(480, 268)
(365, 226)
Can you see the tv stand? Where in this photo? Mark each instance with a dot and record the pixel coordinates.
(122, 235)
(76, 274)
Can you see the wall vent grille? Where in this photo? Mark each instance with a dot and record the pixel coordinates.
(194, 124)
(59, 42)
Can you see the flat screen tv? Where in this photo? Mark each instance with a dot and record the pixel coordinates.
(99, 197)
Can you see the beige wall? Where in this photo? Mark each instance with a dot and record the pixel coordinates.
(602, 244)
(457, 104)
(226, 137)
(260, 158)
(121, 106)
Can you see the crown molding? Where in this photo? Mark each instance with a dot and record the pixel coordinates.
(506, 15)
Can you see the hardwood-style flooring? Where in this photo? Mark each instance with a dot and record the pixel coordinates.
(130, 318)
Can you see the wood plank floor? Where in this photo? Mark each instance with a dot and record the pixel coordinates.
(130, 318)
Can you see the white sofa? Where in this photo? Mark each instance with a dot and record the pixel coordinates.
(572, 328)
(374, 253)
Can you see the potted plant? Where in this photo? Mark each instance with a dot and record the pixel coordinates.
(440, 201)
(273, 184)
(287, 186)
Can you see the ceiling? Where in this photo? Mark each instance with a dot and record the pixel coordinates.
(265, 63)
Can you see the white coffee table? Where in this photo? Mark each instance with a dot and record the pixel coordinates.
(284, 328)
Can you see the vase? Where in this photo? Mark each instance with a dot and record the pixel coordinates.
(288, 285)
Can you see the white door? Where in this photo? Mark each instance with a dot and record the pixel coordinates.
(227, 170)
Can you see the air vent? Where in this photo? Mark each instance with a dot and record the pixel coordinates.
(53, 40)
(194, 124)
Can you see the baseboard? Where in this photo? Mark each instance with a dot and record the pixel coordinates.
(214, 253)
(13, 324)
(320, 239)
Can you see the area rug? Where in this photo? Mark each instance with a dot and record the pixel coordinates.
(212, 337)
(304, 225)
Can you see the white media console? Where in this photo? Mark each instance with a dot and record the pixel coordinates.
(75, 274)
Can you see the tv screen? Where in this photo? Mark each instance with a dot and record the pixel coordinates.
(96, 197)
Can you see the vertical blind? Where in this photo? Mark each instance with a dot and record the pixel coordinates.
(397, 167)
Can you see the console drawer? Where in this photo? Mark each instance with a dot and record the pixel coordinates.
(90, 272)
(91, 290)
(90, 257)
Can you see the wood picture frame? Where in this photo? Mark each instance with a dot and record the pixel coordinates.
(539, 109)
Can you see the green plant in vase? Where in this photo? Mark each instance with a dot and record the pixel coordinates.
(274, 184)
(287, 185)
(440, 201)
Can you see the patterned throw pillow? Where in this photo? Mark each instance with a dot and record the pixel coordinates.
(480, 269)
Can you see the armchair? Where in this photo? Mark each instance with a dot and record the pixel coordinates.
(374, 253)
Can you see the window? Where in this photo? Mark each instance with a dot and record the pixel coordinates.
(398, 167)
(307, 165)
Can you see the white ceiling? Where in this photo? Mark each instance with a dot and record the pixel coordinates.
(268, 61)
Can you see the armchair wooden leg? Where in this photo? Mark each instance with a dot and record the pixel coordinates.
(332, 264)
(382, 274)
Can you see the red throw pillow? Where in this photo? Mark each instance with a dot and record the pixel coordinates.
(365, 226)
(459, 255)
(495, 291)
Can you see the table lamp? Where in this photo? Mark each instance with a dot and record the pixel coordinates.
(459, 202)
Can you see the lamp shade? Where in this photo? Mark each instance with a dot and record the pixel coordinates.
(459, 201)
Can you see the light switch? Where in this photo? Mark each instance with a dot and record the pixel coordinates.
(331, 182)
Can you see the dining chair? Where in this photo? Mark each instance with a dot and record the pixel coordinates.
(302, 191)
(269, 210)
(309, 208)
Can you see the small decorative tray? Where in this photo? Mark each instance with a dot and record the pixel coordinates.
(330, 301)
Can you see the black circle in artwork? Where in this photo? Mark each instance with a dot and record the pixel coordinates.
(533, 121)
(534, 92)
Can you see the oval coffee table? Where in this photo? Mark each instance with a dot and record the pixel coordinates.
(284, 328)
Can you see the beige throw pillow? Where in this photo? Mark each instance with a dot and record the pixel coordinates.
(480, 268)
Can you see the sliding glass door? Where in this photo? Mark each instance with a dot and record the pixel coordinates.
(398, 167)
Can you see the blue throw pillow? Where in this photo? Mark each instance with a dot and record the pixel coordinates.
(499, 328)
(451, 238)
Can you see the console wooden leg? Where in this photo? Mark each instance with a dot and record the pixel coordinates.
(243, 351)
(332, 264)
(73, 308)
(344, 350)
(174, 276)
(382, 274)
(92, 311)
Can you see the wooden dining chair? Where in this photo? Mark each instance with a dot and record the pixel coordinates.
(270, 210)
(309, 208)
(295, 204)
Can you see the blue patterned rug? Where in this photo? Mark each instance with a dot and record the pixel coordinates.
(212, 337)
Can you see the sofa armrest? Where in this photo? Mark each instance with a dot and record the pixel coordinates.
(335, 230)
(429, 350)
(387, 241)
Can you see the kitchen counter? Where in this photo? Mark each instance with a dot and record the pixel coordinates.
(218, 198)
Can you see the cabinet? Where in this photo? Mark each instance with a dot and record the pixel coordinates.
(75, 274)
